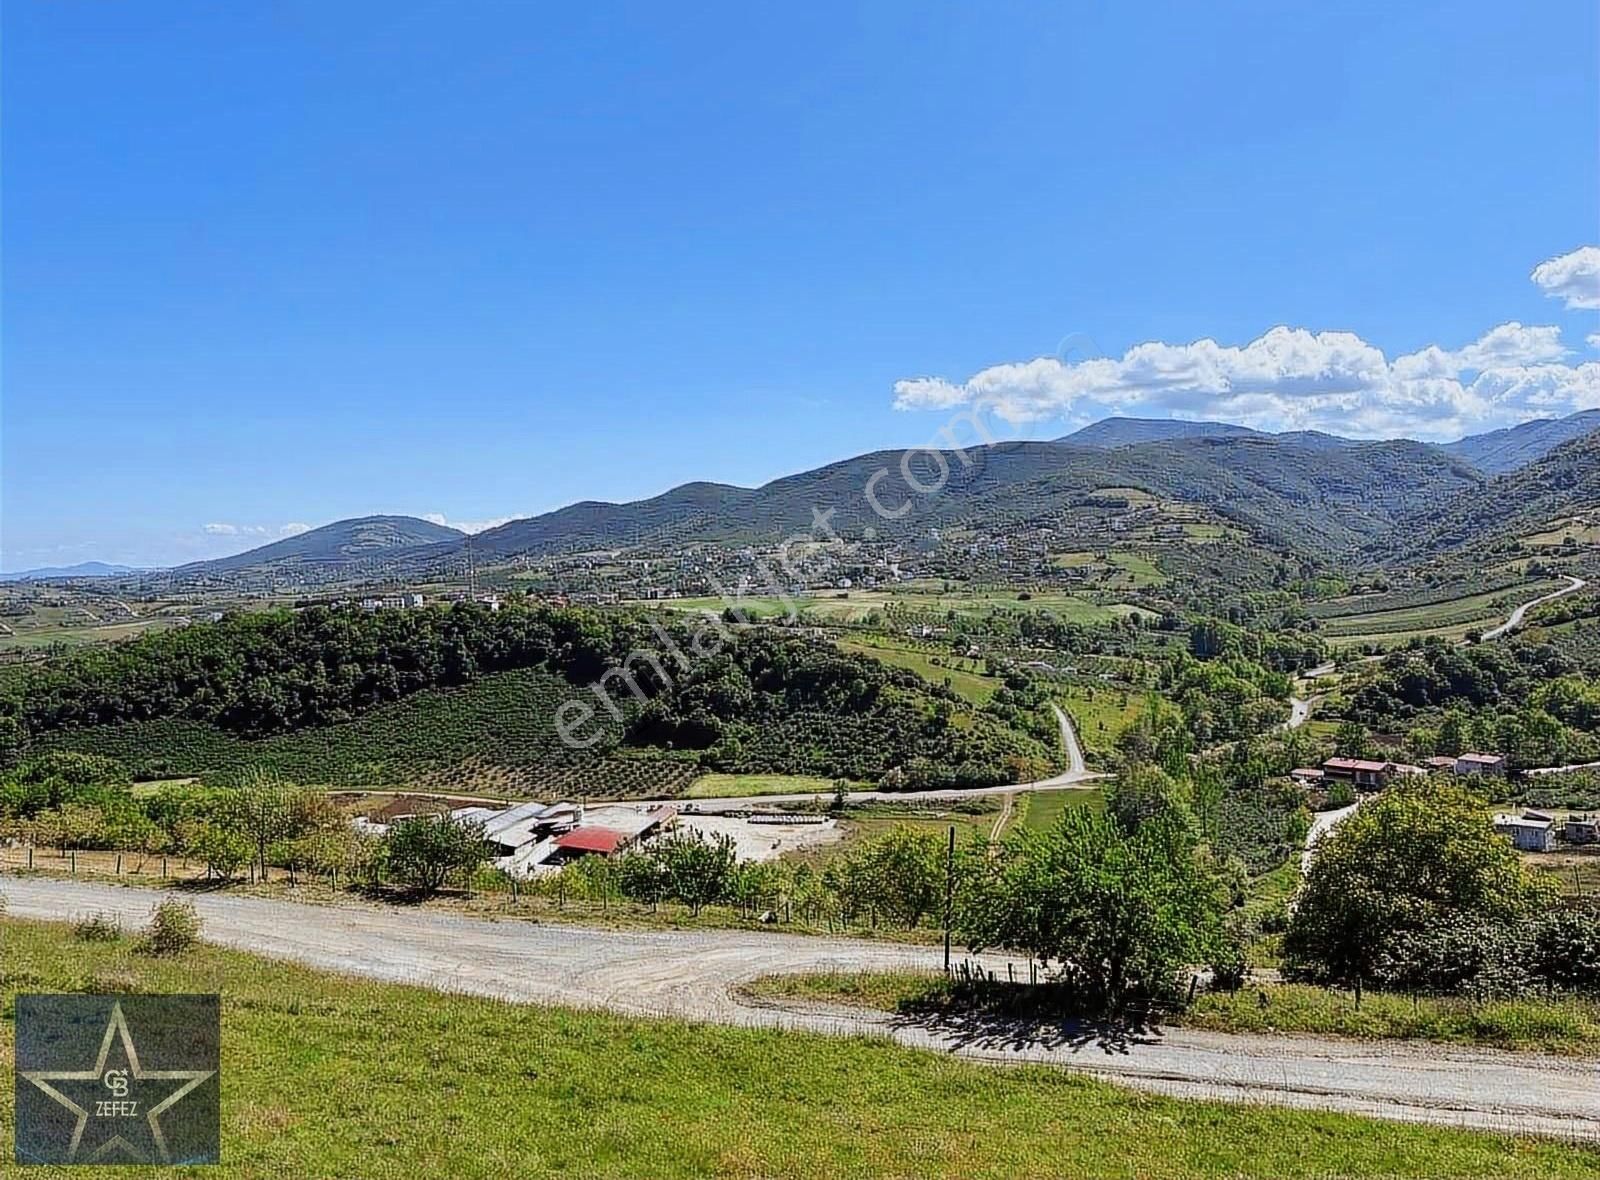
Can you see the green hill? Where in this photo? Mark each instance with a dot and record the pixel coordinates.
(343, 543)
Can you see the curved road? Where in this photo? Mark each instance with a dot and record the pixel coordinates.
(694, 975)
(1076, 777)
(1515, 620)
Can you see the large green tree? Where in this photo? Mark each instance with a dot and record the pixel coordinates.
(1418, 857)
(1114, 914)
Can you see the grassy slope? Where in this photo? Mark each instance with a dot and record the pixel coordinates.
(973, 687)
(329, 1077)
(1566, 1026)
(1571, 1026)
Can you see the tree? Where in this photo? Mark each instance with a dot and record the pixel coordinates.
(1418, 857)
(900, 875)
(1143, 792)
(223, 850)
(698, 870)
(260, 811)
(424, 851)
(1114, 915)
(1350, 740)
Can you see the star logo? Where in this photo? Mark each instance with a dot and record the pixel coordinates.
(116, 1104)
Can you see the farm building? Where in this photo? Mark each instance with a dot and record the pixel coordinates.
(1360, 772)
(1440, 764)
(1527, 835)
(1307, 776)
(1481, 764)
(1584, 829)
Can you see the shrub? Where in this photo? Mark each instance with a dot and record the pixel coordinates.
(426, 851)
(98, 927)
(174, 928)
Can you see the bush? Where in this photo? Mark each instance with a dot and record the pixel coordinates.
(99, 927)
(426, 851)
(174, 928)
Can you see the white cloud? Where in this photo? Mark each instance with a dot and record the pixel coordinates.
(1289, 379)
(467, 526)
(1573, 277)
(1296, 379)
(224, 529)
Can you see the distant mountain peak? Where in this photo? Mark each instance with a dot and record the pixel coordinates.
(341, 543)
(1127, 432)
(1500, 451)
(83, 569)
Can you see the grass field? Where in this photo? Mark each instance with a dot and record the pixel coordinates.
(1116, 569)
(1583, 530)
(854, 606)
(22, 638)
(972, 685)
(1044, 809)
(1100, 712)
(863, 822)
(324, 1076)
(1568, 1026)
(731, 786)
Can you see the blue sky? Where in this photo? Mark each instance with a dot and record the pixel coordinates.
(273, 265)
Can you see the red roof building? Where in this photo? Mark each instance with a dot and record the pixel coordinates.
(601, 841)
(1363, 772)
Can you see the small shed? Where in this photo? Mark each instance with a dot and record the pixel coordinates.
(1526, 835)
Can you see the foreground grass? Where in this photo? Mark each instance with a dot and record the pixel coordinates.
(1569, 1027)
(326, 1076)
(1553, 1026)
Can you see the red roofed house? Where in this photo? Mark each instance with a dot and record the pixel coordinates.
(589, 842)
(1362, 772)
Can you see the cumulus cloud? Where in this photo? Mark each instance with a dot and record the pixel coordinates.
(1296, 379)
(1574, 278)
(1290, 379)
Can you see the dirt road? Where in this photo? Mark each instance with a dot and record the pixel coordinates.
(693, 974)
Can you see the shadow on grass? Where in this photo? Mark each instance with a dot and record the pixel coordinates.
(1020, 1017)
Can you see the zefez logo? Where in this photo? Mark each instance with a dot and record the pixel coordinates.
(118, 1079)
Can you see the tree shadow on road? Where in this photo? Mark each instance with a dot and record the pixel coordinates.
(1018, 1018)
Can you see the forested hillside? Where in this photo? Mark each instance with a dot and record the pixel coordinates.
(1565, 481)
(413, 689)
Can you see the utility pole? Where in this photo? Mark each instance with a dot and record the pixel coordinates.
(949, 893)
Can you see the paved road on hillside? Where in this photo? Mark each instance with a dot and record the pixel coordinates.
(692, 974)
(1076, 777)
(1515, 620)
(1321, 824)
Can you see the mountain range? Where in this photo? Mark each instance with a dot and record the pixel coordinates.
(1302, 490)
(84, 569)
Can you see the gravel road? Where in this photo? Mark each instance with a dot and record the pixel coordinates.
(693, 974)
